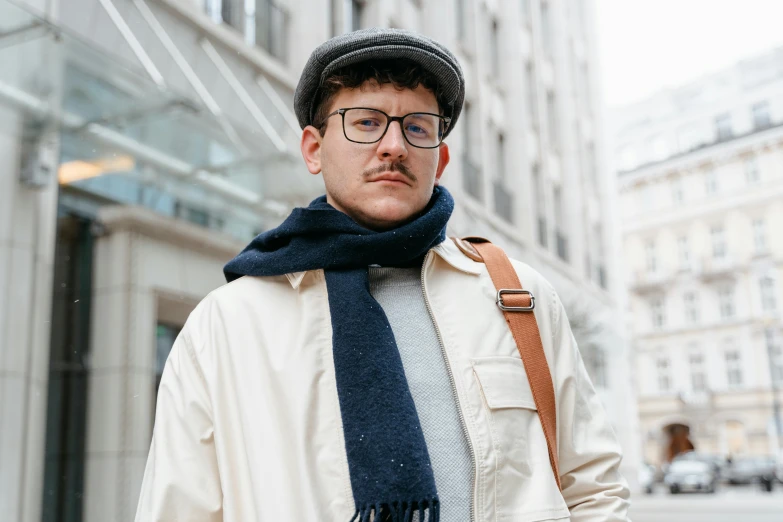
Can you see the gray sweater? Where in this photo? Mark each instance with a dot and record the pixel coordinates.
(399, 292)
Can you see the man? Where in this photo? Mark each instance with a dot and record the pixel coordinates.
(356, 366)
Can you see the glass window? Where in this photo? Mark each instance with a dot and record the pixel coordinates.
(733, 368)
(726, 302)
(165, 335)
(677, 193)
(551, 112)
(658, 312)
(776, 361)
(357, 11)
(546, 28)
(768, 298)
(494, 50)
(759, 236)
(691, 307)
(718, 237)
(761, 119)
(649, 250)
(684, 253)
(532, 96)
(664, 374)
(698, 374)
(711, 181)
(723, 128)
(752, 174)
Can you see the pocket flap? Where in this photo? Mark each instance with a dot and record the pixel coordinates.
(504, 382)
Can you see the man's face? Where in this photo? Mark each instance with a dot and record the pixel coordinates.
(380, 185)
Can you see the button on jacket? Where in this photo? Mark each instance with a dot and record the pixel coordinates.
(248, 424)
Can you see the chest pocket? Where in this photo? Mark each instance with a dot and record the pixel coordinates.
(525, 486)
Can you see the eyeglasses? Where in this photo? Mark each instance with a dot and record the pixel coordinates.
(364, 125)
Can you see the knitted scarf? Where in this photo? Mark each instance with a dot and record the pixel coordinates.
(391, 474)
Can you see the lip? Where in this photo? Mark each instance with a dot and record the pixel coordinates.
(391, 178)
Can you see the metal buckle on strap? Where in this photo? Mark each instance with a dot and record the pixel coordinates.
(505, 308)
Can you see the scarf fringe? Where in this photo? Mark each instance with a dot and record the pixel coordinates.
(398, 511)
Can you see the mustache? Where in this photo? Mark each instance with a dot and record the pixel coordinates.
(391, 167)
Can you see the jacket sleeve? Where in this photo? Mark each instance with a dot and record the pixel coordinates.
(181, 480)
(589, 453)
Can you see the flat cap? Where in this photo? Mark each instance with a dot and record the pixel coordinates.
(380, 44)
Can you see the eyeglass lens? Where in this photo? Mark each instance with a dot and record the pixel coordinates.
(368, 126)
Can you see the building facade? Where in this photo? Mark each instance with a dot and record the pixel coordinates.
(701, 195)
(144, 142)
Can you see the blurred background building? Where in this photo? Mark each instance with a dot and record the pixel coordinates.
(701, 197)
(144, 142)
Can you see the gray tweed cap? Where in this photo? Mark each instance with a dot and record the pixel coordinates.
(375, 44)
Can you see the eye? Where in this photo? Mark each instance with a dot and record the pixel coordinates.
(416, 130)
(367, 123)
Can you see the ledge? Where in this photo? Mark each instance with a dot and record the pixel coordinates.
(121, 218)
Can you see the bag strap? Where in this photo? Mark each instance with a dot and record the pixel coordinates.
(517, 306)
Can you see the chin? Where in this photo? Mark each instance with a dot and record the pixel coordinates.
(388, 213)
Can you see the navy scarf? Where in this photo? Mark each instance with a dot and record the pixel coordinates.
(390, 468)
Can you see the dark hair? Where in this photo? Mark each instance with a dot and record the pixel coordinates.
(402, 73)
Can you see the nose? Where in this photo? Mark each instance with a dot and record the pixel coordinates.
(393, 145)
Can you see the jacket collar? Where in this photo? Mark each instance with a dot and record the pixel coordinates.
(447, 251)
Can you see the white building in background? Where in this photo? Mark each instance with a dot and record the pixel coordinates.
(144, 142)
(701, 194)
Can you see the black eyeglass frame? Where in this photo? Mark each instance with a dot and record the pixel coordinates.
(389, 119)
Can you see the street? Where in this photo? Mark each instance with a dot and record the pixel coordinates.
(729, 504)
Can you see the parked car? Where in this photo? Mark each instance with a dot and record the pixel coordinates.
(717, 462)
(646, 477)
(690, 475)
(748, 470)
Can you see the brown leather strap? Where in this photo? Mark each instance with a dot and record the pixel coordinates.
(527, 337)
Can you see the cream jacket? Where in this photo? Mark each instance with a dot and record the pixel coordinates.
(248, 424)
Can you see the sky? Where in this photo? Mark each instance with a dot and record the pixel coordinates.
(649, 45)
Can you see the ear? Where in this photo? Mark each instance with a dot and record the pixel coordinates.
(311, 149)
(443, 160)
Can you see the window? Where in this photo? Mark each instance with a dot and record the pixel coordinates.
(524, 12)
(660, 148)
(494, 50)
(546, 28)
(733, 368)
(684, 252)
(761, 119)
(552, 120)
(718, 237)
(769, 300)
(658, 312)
(165, 335)
(460, 11)
(261, 22)
(775, 351)
(691, 307)
(532, 97)
(560, 237)
(677, 195)
(595, 362)
(711, 181)
(759, 236)
(752, 170)
(538, 202)
(471, 174)
(354, 22)
(698, 374)
(664, 374)
(723, 127)
(649, 250)
(503, 199)
(726, 302)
